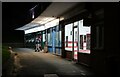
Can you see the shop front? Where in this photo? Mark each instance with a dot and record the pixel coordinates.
(54, 37)
(31, 38)
(58, 42)
(77, 42)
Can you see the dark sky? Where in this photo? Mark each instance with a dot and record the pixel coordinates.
(15, 15)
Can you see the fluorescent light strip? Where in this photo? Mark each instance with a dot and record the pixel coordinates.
(35, 29)
(47, 25)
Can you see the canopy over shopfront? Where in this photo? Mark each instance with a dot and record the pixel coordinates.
(52, 15)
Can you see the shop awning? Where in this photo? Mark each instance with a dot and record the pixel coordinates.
(39, 21)
(53, 12)
(28, 26)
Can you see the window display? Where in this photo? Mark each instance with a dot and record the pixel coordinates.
(81, 37)
(68, 37)
(84, 32)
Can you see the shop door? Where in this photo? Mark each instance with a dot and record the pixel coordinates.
(53, 41)
(75, 45)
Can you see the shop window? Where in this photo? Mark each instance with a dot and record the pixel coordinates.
(57, 36)
(68, 37)
(88, 41)
(49, 37)
(60, 39)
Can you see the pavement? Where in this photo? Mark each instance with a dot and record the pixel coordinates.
(38, 64)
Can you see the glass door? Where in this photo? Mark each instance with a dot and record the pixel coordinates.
(53, 40)
(75, 45)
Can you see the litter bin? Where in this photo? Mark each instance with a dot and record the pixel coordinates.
(45, 48)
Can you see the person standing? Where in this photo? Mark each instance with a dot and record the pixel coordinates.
(37, 45)
(40, 40)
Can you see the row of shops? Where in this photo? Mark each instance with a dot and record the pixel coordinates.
(67, 35)
(51, 36)
(76, 39)
(80, 36)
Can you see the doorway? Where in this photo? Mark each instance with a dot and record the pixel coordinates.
(75, 41)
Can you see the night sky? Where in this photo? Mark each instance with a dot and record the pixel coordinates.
(15, 15)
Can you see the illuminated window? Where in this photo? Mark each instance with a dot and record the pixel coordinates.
(88, 41)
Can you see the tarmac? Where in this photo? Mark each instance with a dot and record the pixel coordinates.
(29, 63)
